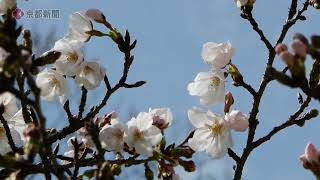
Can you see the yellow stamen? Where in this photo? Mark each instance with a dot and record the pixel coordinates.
(215, 81)
(72, 57)
(216, 129)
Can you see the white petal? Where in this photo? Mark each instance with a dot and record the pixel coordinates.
(200, 140)
(197, 117)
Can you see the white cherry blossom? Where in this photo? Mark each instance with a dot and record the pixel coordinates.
(211, 135)
(142, 135)
(237, 121)
(5, 5)
(9, 102)
(217, 55)
(90, 75)
(112, 135)
(79, 25)
(162, 117)
(53, 86)
(71, 57)
(209, 86)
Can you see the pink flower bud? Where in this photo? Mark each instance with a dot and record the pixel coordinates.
(311, 153)
(96, 15)
(281, 48)
(287, 58)
(237, 121)
(299, 48)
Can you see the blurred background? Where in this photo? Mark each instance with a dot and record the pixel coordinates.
(170, 35)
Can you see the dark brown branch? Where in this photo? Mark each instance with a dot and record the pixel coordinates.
(291, 121)
(82, 102)
(233, 155)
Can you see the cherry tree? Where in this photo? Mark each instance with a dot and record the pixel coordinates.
(101, 146)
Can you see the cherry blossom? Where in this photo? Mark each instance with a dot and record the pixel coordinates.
(79, 25)
(212, 134)
(162, 117)
(70, 59)
(209, 86)
(53, 86)
(311, 155)
(90, 75)
(237, 121)
(9, 102)
(96, 15)
(142, 135)
(217, 55)
(112, 135)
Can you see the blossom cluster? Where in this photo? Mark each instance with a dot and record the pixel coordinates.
(71, 63)
(142, 133)
(213, 132)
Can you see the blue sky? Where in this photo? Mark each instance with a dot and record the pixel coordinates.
(170, 36)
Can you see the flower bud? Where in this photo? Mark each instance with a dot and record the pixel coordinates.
(188, 166)
(299, 48)
(228, 102)
(281, 48)
(237, 121)
(96, 15)
(235, 74)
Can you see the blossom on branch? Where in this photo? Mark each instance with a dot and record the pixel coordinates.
(217, 55)
(237, 121)
(162, 117)
(112, 135)
(53, 86)
(90, 75)
(209, 86)
(142, 135)
(212, 133)
(71, 57)
(79, 25)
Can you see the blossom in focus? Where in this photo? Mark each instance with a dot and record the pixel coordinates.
(217, 55)
(3, 56)
(212, 133)
(90, 75)
(142, 135)
(162, 117)
(209, 86)
(9, 103)
(53, 86)
(79, 25)
(237, 121)
(70, 59)
(5, 5)
(112, 135)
